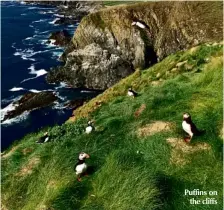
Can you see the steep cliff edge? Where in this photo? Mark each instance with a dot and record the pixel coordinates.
(123, 38)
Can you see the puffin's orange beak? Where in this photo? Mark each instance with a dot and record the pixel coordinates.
(87, 156)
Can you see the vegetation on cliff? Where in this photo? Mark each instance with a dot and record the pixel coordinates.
(138, 157)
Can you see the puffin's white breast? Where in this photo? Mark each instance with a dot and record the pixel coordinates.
(81, 168)
(46, 139)
(187, 128)
(130, 93)
(89, 129)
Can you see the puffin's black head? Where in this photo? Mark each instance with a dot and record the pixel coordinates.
(130, 88)
(186, 116)
(83, 156)
(90, 122)
(46, 133)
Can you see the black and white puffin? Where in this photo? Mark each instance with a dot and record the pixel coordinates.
(131, 93)
(44, 138)
(90, 127)
(81, 166)
(190, 128)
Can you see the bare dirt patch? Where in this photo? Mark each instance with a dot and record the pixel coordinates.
(140, 110)
(181, 149)
(28, 168)
(155, 127)
(27, 151)
(8, 154)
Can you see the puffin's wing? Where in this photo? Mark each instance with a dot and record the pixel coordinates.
(194, 128)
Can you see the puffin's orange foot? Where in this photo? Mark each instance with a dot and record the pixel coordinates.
(79, 179)
(187, 139)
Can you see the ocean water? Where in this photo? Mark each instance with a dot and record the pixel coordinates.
(25, 60)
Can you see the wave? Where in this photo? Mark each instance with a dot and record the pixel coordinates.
(57, 54)
(58, 15)
(7, 109)
(38, 73)
(16, 89)
(54, 21)
(62, 85)
(17, 119)
(39, 21)
(46, 12)
(87, 91)
(35, 91)
(28, 53)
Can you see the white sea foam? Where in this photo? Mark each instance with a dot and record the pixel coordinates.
(86, 91)
(62, 85)
(53, 22)
(58, 15)
(35, 91)
(46, 12)
(17, 119)
(16, 89)
(38, 73)
(7, 109)
(57, 54)
(28, 53)
(39, 21)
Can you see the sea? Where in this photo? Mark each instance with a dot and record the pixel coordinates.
(26, 57)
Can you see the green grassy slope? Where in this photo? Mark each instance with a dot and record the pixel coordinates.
(129, 170)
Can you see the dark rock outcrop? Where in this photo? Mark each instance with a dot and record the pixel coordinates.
(62, 38)
(92, 67)
(135, 36)
(31, 101)
(74, 104)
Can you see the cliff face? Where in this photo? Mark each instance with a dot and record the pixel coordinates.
(140, 35)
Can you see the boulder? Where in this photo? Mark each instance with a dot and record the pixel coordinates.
(31, 101)
(61, 38)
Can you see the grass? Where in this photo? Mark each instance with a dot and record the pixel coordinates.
(129, 171)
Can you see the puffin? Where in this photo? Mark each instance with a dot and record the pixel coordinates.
(81, 166)
(44, 138)
(90, 127)
(190, 128)
(131, 93)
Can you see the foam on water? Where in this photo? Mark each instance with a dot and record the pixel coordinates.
(35, 91)
(17, 119)
(38, 73)
(8, 108)
(16, 89)
(53, 22)
(39, 21)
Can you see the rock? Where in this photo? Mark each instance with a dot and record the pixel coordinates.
(92, 68)
(74, 104)
(62, 38)
(31, 101)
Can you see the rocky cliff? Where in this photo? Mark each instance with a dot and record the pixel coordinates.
(109, 44)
